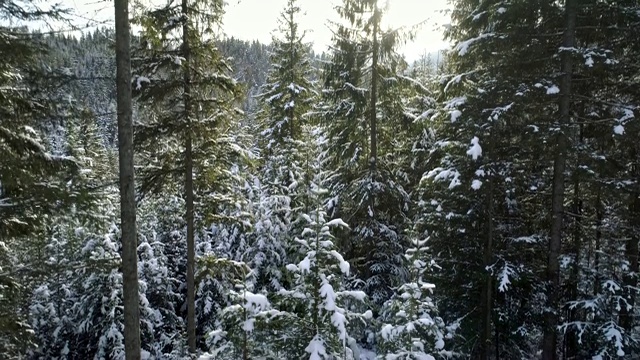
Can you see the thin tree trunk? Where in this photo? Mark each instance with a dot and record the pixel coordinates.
(127, 184)
(598, 240)
(188, 185)
(631, 252)
(487, 291)
(374, 94)
(550, 338)
(571, 337)
(292, 36)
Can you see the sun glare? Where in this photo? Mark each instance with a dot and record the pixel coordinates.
(256, 19)
(431, 15)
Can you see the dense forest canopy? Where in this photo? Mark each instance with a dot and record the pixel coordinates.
(478, 203)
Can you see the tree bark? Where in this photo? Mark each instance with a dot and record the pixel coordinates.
(373, 121)
(188, 184)
(630, 279)
(598, 241)
(571, 338)
(550, 338)
(131, 300)
(487, 291)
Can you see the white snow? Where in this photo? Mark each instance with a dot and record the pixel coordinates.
(344, 266)
(30, 130)
(455, 114)
(501, 10)
(305, 264)
(292, 267)
(140, 80)
(588, 61)
(552, 90)
(338, 222)
(368, 314)
(358, 295)
(476, 184)
(504, 278)
(257, 302)
(477, 16)
(463, 46)
(476, 150)
(618, 129)
(316, 349)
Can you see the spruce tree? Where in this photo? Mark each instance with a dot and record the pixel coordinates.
(489, 169)
(286, 100)
(362, 112)
(187, 93)
(33, 180)
(317, 311)
(411, 328)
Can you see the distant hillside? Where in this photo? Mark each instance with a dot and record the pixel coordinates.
(90, 58)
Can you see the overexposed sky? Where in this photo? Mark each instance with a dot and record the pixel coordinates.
(257, 19)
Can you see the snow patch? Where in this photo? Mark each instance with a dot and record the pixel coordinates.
(552, 90)
(455, 114)
(476, 150)
(618, 129)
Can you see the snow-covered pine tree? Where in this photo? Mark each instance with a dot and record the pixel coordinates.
(32, 180)
(360, 112)
(288, 90)
(314, 314)
(187, 97)
(285, 101)
(162, 274)
(93, 192)
(511, 110)
(235, 334)
(411, 328)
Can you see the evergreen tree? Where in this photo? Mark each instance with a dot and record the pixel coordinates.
(32, 181)
(288, 90)
(187, 87)
(409, 316)
(490, 161)
(286, 100)
(362, 113)
(322, 308)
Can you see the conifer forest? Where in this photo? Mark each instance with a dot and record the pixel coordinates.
(169, 191)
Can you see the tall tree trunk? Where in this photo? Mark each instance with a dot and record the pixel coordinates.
(373, 121)
(550, 338)
(631, 252)
(598, 241)
(487, 291)
(571, 339)
(188, 185)
(131, 300)
(571, 335)
(292, 37)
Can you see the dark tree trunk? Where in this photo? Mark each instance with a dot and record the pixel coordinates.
(188, 185)
(631, 252)
(131, 300)
(598, 241)
(571, 339)
(487, 290)
(550, 337)
(373, 121)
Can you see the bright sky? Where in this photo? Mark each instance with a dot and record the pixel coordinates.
(257, 19)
